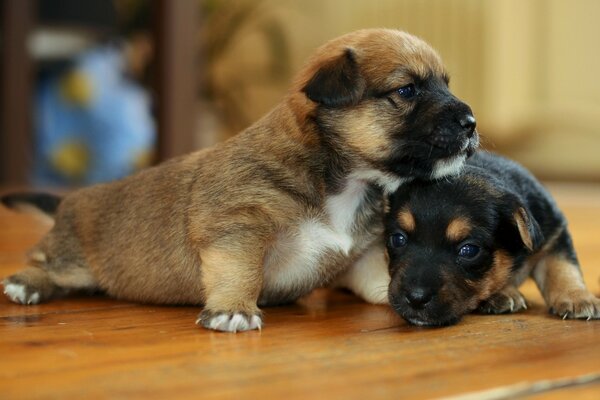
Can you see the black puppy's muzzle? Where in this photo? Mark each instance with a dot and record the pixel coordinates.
(416, 300)
(418, 297)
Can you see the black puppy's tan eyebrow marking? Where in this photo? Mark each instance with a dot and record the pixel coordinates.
(406, 220)
(458, 229)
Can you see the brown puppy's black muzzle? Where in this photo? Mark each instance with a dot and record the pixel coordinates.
(468, 123)
(454, 130)
(464, 121)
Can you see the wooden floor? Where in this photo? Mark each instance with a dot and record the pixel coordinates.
(329, 345)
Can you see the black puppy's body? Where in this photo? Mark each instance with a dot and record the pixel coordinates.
(511, 177)
(468, 242)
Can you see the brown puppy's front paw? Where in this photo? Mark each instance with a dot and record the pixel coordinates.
(229, 321)
(509, 300)
(31, 285)
(20, 293)
(578, 305)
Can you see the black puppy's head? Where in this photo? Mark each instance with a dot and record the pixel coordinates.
(382, 100)
(452, 244)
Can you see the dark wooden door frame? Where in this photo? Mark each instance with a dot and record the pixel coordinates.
(176, 86)
(16, 149)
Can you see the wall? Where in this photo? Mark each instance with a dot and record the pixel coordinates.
(527, 67)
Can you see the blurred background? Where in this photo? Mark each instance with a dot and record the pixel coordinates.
(93, 90)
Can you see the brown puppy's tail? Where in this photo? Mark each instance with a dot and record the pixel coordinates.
(32, 203)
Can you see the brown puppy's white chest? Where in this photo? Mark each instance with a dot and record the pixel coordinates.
(321, 245)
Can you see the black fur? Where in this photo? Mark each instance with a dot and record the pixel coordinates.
(431, 130)
(47, 203)
(489, 192)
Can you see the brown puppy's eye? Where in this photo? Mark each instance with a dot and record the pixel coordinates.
(469, 251)
(407, 92)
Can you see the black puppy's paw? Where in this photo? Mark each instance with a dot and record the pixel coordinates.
(576, 305)
(508, 300)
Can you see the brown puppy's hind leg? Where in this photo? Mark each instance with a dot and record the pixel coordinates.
(564, 291)
(507, 300)
(232, 282)
(42, 281)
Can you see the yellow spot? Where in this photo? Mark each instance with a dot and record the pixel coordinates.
(71, 159)
(143, 159)
(76, 88)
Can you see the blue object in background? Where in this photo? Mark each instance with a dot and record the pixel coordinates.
(93, 124)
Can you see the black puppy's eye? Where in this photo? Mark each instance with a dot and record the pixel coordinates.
(398, 240)
(408, 91)
(469, 251)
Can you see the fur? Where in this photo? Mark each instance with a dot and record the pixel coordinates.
(498, 206)
(283, 207)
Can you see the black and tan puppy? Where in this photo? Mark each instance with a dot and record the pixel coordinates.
(283, 207)
(469, 241)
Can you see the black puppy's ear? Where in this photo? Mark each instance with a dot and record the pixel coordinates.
(337, 83)
(527, 227)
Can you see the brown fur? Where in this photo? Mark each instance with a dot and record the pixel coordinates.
(224, 226)
(458, 229)
(497, 276)
(406, 220)
(521, 219)
(563, 289)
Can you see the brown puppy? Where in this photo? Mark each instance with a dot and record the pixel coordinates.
(282, 208)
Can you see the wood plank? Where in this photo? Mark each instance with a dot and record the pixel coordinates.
(328, 345)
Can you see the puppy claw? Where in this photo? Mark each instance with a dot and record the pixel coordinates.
(21, 294)
(229, 322)
(509, 300)
(256, 322)
(579, 305)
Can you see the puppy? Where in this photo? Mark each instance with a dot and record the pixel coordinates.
(284, 207)
(468, 242)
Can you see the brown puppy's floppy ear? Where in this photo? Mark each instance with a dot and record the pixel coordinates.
(526, 226)
(337, 83)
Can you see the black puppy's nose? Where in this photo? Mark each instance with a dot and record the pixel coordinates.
(418, 297)
(467, 121)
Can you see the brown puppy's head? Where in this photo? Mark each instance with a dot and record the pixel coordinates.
(452, 244)
(381, 100)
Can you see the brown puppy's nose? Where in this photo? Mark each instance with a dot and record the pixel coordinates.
(418, 297)
(467, 121)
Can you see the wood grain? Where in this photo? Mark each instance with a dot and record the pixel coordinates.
(328, 345)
